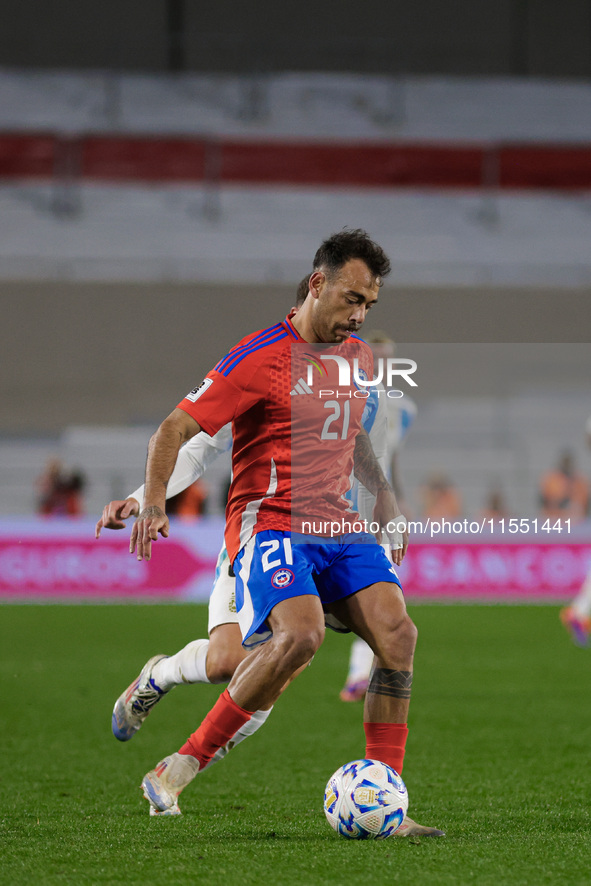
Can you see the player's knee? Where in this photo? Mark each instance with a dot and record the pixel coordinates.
(297, 647)
(410, 632)
(221, 664)
(405, 632)
(399, 637)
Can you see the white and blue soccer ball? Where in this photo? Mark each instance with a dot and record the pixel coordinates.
(365, 800)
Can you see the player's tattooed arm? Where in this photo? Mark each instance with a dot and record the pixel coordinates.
(366, 466)
(163, 451)
(162, 455)
(386, 512)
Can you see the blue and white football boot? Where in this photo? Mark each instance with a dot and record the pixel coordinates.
(134, 705)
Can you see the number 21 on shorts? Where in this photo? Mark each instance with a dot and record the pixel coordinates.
(272, 548)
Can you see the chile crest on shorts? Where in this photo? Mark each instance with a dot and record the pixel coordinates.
(282, 578)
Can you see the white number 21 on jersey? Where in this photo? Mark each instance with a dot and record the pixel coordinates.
(334, 417)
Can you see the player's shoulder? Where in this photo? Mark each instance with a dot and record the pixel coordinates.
(262, 337)
(254, 346)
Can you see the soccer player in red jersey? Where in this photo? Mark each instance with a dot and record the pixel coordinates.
(298, 551)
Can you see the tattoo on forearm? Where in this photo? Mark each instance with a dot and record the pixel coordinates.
(396, 684)
(366, 466)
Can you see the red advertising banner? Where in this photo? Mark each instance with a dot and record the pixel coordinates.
(49, 560)
(523, 571)
(60, 560)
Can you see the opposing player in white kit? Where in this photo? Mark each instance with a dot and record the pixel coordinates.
(387, 418)
(212, 660)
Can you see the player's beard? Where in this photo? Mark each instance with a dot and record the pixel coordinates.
(345, 330)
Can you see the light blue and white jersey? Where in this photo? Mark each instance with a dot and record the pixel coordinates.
(386, 420)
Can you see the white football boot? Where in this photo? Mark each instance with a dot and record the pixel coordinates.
(134, 705)
(163, 784)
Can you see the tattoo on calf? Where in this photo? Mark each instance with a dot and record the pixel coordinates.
(396, 684)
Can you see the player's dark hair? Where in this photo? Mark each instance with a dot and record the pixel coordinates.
(302, 291)
(340, 248)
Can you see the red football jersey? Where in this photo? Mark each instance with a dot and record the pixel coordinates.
(295, 409)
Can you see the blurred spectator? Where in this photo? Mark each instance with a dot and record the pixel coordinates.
(495, 507)
(441, 500)
(564, 493)
(60, 492)
(191, 502)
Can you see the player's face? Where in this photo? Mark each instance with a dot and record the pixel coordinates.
(342, 301)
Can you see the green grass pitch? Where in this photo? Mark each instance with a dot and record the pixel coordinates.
(498, 755)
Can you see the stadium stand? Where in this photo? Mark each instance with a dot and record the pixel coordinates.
(135, 180)
(492, 177)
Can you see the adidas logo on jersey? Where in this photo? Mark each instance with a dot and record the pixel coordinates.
(301, 388)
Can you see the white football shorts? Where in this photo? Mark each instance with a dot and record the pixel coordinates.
(222, 600)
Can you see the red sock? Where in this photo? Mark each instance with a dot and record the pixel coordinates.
(386, 742)
(222, 722)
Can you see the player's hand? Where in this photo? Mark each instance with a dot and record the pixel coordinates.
(387, 514)
(397, 533)
(145, 530)
(115, 513)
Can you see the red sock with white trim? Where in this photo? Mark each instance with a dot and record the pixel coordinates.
(386, 742)
(216, 730)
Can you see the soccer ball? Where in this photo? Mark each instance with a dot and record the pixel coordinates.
(365, 800)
